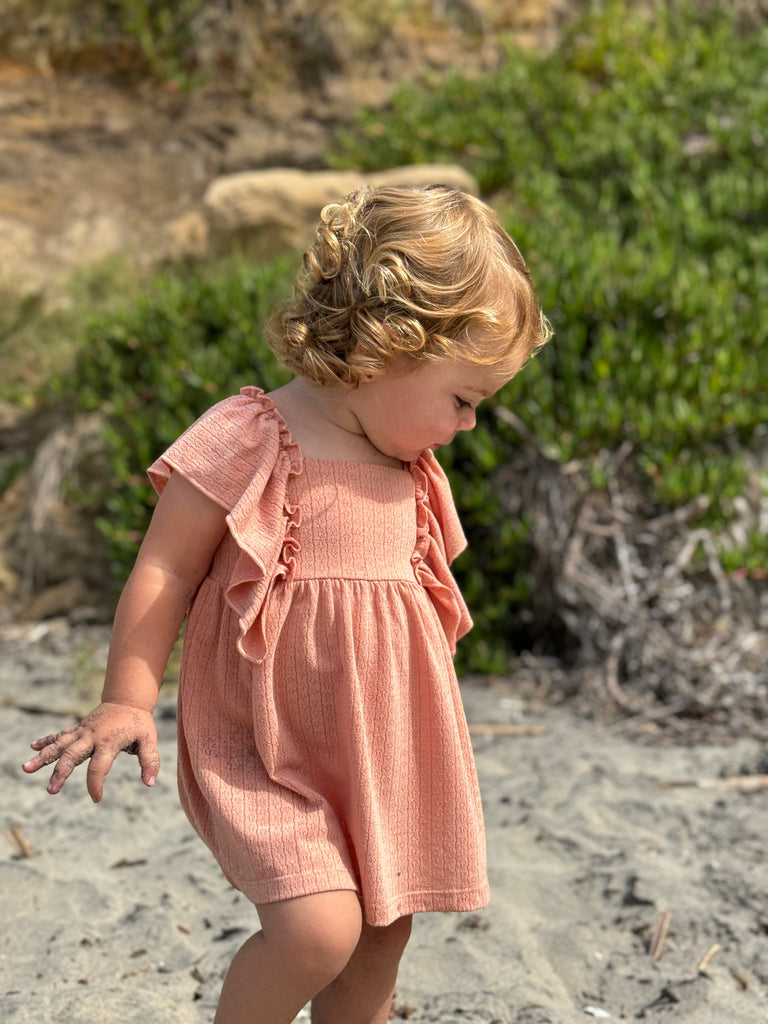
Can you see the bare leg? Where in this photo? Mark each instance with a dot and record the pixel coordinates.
(303, 945)
(362, 993)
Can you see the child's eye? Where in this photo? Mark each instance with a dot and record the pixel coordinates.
(462, 403)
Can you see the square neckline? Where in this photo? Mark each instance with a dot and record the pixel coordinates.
(405, 467)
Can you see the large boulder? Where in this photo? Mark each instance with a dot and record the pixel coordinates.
(53, 560)
(276, 210)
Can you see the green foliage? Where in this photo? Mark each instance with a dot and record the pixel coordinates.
(627, 166)
(151, 37)
(154, 367)
(40, 332)
(10, 467)
(163, 33)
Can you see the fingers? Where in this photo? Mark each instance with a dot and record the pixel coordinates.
(45, 740)
(78, 749)
(98, 767)
(102, 760)
(149, 762)
(100, 737)
(49, 749)
(66, 762)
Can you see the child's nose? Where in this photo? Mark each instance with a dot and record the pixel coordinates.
(468, 419)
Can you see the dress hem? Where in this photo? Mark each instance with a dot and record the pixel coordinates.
(418, 902)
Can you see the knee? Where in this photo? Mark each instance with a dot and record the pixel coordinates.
(327, 946)
(320, 941)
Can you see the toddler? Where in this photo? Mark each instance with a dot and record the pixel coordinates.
(307, 535)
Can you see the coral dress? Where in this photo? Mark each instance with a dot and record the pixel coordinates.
(322, 740)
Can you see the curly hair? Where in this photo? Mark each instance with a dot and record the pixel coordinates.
(426, 272)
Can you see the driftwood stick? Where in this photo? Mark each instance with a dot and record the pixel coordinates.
(679, 516)
(659, 935)
(623, 700)
(623, 556)
(505, 729)
(740, 783)
(18, 837)
(717, 572)
(708, 956)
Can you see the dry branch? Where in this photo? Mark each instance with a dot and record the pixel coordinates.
(664, 634)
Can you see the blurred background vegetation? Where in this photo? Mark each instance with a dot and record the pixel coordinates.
(628, 162)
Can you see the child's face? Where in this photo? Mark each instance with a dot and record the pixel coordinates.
(422, 405)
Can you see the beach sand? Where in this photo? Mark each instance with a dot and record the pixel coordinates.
(117, 913)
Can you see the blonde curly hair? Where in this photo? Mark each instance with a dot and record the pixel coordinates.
(426, 272)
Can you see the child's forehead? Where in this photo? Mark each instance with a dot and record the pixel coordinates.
(487, 380)
(479, 379)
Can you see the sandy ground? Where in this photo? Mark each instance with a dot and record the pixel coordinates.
(118, 913)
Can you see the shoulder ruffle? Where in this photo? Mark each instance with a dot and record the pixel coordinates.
(439, 539)
(240, 454)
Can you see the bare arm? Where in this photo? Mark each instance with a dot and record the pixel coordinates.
(185, 531)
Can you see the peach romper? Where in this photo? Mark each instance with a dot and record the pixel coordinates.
(322, 741)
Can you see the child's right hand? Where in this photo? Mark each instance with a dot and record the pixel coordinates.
(100, 736)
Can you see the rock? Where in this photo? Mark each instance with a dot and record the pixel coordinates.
(186, 236)
(276, 210)
(426, 174)
(45, 539)
(92, 232)
(19, 256)
(298, 142)
(62, 599)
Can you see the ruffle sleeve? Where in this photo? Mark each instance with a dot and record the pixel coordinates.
(439, 539)
(241, 455)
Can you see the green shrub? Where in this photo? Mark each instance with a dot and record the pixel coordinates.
(627, 164)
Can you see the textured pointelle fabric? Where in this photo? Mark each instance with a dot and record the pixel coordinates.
(322, 741)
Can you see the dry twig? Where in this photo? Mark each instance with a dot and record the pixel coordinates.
(707, 957)
(505, 729)
(16, 836)
(659, 935)
(741, 783)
